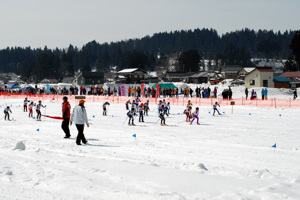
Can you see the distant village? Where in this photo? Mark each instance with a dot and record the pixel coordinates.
(262, 75)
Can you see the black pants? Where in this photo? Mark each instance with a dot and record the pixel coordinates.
(25, 108)
(141, 116)
(80, 136)
(162, 120)
(130, 118)
(6, 116)
(104, 111)
(65, 126)
(38, 116)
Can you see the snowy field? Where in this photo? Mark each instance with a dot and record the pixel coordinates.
(226, 157)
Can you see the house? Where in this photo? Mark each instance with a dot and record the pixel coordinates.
(198, 78)
(68, 80)
(231, 71)
(88, 78)
(244, 71)
(282, 82)
(291, 75)
(177, 76)
(260, 77)
(49, 81)
(133, 75)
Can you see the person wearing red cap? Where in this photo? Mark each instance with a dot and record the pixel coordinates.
(79, 117)
(141, 112)
(66, 110)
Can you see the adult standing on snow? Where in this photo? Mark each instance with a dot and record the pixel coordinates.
(262, 94)
(295, 94)
(266, 94)
(246, 93)
(66, 110)
(79, 116)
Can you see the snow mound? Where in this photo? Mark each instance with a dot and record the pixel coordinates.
(201, 166)
(262, 174)
(9, 173)
(20, 145)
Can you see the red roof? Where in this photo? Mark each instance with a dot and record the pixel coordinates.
(265, 69)
(291, 74)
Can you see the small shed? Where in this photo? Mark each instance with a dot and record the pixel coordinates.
(282, 82)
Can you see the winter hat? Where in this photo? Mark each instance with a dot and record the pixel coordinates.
(81, 101)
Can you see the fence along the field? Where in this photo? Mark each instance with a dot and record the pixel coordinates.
(272, 102)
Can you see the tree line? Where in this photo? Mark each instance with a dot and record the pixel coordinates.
(188, 47)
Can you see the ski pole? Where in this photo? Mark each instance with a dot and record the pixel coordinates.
(156, 121)
(125, 121)
(181, 121)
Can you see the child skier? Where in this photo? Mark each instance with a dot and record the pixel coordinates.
(195, 115)
(215, 108)
(133, 105)
(30, 107)
(162, 116)
(128, 102)
(146, 108)
(168, 107)
(159, 105)
(38, 110)
(189, 104)
(104, 108)
(6, 112)
(141, 114)
(25, 104)
(130, 114)
(188, 112)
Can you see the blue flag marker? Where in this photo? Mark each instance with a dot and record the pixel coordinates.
(93, 116)
(134, 135)
(249, 113)
(279, 115)
(178, 113)
(33, 118)
(146, 114)
(208, 112)
(223, 112)
(38, 129)
(112, 116)
(12, 118)
(274, 146)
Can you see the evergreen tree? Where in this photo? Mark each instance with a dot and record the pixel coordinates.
(295, 47)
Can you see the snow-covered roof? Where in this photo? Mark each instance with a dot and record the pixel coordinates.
(128, 70)
(249, 69)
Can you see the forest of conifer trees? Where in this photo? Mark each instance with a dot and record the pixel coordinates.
(236, 48)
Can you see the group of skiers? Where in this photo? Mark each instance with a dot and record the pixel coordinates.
(136, 107)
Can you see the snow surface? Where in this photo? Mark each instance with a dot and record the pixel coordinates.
(226, 157)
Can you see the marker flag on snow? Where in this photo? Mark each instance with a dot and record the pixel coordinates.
(223, 112)
(279, 115)
(208, 112)
(147, 114)
(274, 145)
(38, 129)
(93, 116)
(249, 113)
(33, 118)
(178, 113)
(134, 135)
(112, 116)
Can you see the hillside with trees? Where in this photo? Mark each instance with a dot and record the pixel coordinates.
(187, 47)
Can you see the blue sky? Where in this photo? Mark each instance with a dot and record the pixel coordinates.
(58, 23)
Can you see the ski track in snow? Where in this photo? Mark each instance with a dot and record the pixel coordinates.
(226, 157)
